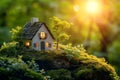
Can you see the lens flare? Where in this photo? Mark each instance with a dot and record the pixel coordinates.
(93, 6)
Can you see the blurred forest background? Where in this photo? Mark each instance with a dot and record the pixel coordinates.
(100, 34)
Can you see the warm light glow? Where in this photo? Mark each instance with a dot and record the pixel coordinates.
(42, 35)
(27, 44)
(76, 8)
(93, 6)
(47, 44)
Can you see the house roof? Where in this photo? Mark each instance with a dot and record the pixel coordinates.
(30, 29)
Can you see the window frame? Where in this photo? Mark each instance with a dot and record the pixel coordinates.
(42, 35)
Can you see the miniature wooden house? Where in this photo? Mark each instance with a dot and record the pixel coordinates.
(37, 36)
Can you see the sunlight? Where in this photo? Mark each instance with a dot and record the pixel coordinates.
(76, 8)
(88, 8)
(93, 7)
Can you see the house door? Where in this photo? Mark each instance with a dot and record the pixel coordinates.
(42, 45)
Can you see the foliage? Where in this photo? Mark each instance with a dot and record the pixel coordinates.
(89, 65)
(75, 59)
(79, 64)
(104, 34)
(59, 27)
(17, 13)
(73, 52)
(10, 48)
(17, 69)
(32, 65)
(114, 55)
(60, 74)
(94, 70)
(63, 37)
(16, 33)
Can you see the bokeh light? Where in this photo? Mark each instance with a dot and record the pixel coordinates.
(93, 6)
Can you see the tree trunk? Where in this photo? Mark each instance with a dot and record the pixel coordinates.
(57, 44)
(105, 33)
(3, 19)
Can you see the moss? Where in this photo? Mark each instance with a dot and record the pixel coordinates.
(94, 72)
(81, 65)
(60, 74)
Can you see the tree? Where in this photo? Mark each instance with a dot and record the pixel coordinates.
(59, 27)
(16, 33)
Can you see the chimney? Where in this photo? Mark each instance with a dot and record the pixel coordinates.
(34, 19)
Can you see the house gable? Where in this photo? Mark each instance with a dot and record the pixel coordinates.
(36, 39)
(30, 30)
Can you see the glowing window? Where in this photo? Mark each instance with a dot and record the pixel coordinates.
(42, 35)
(27, 44)
(48, 45)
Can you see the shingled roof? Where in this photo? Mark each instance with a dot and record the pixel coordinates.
(30, 29)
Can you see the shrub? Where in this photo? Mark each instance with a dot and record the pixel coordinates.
(60, 74)
(9, 49)
(16, 33)
(32, 65)
(19, 74)
(16, 69)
